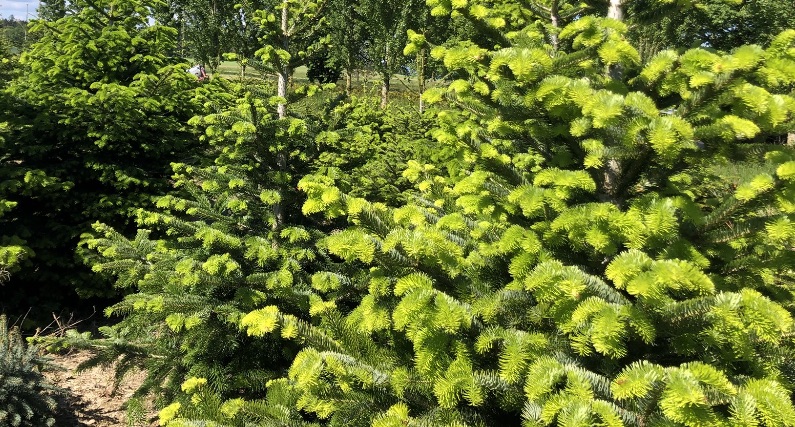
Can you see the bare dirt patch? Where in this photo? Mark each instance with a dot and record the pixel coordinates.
(90, 398)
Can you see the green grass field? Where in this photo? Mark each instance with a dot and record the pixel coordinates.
(362, 81)
(404, 90)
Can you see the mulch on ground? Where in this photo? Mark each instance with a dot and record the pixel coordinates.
(89, 397)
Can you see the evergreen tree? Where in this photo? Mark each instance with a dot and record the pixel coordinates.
(52, 10)
(13, 249)
(722, 25)
(212, 252)
(347, 34)
(365, 148)
(604, 242)
(25, 395)
(585, 261)
(205, 25)
(94, 117)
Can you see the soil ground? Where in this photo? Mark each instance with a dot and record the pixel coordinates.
(89, 397)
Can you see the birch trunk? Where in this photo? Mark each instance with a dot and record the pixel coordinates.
(612, 173)
(385, 91)
(554, 17)
(281, 109)
(421, 76)
(283, 77)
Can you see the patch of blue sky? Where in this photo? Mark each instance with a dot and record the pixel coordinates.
(19, 9)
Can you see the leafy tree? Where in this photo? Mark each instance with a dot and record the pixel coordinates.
(13, 249)
(14, 34)
(52, 10)
(387, 23)
(291, 32)
(95, 117)
(245, 33)
(365, 148)
(206, 25)
(719, 24)
(346, 31)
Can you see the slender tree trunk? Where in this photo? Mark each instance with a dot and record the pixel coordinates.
(281, 91)
(385, 90)
(613, 167)
(554, 16)
(182, 33)
(421, 76)
(386, 75)
(615, 10)
(791, 139)
(283, 74)
(348, 81)
(281, 109)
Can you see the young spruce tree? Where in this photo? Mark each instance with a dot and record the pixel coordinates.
(229, 239)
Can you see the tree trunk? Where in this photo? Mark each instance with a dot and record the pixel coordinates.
(348, 81)
(283, 74)
(554, 16)
(615, 10)
(421, 76)
(281, 92)
(281, 109)
(385, 91)
(612, 173)
(791, 139)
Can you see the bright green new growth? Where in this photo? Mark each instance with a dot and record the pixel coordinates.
(25, 395)
(590, 261)
(610, 244)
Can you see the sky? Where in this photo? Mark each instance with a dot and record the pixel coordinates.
(17, 8)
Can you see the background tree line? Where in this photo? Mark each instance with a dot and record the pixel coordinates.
(587, 221)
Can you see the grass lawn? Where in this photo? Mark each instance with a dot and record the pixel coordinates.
(362, 81)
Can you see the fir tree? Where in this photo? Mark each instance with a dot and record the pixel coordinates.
(211, 253)
(95, 116)
(574, 267)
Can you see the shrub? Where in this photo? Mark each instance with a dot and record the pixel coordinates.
(24, 398)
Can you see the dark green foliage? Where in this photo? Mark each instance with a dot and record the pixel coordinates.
(14, 34)
(322, 69)
(52, 10)
(13, 249)
(718, 24)
(25, 395)
(95, 117)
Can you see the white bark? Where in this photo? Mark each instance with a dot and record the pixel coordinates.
(612, 173)
(281, 85)
(615, 10)
(421, 76)
(555, 18)
(385, 92)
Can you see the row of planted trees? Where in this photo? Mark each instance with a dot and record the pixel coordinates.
(594, 237)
